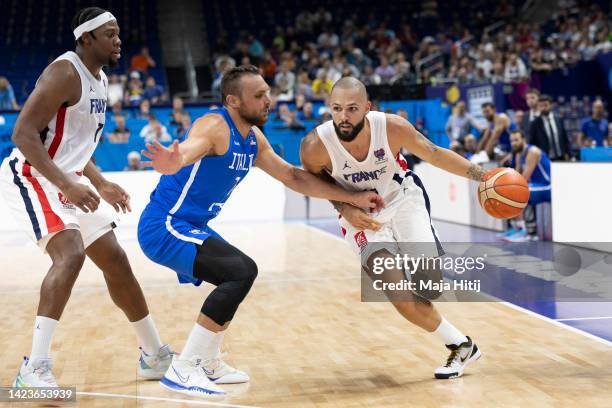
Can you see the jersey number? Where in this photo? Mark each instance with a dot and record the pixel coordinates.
(100, 126)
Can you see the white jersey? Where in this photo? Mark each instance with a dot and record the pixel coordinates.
(405, 218)
(74, 131)
(381, 170)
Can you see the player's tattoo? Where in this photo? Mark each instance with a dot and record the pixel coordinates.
(430, 145)
(475, 172)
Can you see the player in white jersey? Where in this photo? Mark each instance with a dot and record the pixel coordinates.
(55, 135)
(360, 150)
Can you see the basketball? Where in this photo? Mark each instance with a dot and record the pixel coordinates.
(503, 193)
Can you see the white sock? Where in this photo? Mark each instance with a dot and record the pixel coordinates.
(521, 224)
(448, 333)
(148, 337)
(44, 327)
(202, 342)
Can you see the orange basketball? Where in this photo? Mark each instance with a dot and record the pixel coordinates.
(503, 193)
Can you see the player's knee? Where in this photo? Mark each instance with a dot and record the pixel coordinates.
(249, 272)
(68, 266)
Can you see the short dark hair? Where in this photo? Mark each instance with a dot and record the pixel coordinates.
(533, 91)
(488, 105)
(84, 15)
(545, 98)
(519, 131)
(231, 80)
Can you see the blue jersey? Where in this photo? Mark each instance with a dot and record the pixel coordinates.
(197, 192)
(541, 173)
(504, 137)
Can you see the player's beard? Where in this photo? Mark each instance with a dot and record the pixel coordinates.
(518, 149)
(253, 119)
(112, 63)
(349, 137)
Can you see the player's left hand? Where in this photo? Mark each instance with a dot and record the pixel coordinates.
(116, 196)
(368, 199)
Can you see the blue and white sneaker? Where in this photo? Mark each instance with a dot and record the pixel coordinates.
(506, 233)
(36, 373)
(153, 367)
(520, 236)
(220, 372)
(188, 377)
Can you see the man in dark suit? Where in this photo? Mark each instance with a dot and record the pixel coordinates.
(548, 133)
(531, 97)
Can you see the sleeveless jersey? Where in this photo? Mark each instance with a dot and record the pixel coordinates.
(504, 137)
(541, 173)
(380, 171)
(74, 131)
(197, 192)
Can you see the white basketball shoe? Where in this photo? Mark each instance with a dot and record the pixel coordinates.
(220, 372)
(154, 366)
(188, 377)
(460, 356)
(35, 373)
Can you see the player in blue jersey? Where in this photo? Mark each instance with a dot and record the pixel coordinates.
(534, 165)
(497, 132)
(200, 175)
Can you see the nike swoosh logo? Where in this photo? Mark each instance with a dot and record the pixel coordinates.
(183, 379)
(462, 359)
(208, 372)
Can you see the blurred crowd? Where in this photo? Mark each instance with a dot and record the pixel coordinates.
(309, 56)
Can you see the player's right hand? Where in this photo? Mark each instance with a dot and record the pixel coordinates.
(82, 196)
(359, 219)
(166, 160)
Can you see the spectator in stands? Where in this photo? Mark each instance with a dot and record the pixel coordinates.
(268, 67)
(307, 113)
(283, 113)
(7, 95)
(184, 126)
(459, 123)
(134, 163)
(321, 87)
(531, 98)
(121, 134)
(370, 77)
(155, 131)
(304, 85)
(401, 112)
(135, 92)
(154, 93)
(324, 117)
(385, 70)
(548, 132)
(497, 132)
(292, 122)
(144, 110)
(595, 127)
(470, 145)
(222, 65)
(176, 116)
(116, 85)
(143, 61)
(285, 82)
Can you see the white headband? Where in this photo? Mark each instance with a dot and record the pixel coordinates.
(93, 24)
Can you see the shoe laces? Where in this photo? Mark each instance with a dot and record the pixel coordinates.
(452, 357)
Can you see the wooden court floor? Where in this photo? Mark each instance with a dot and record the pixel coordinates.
(302, 334)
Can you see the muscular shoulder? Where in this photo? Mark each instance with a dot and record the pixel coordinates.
(396, 123)
(534, 152)
(61, 76)
(502, 119)
(313, 152)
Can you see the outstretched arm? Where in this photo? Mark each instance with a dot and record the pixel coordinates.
(402, 133)
(306, 183)
(205, 135)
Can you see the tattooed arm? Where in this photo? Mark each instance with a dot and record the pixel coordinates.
(402, 133)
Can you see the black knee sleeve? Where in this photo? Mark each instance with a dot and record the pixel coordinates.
(232, 271)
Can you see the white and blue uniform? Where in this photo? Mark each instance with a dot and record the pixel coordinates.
(176, 219)
(539, 182)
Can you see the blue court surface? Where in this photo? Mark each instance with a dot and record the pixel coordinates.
(547, 298)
